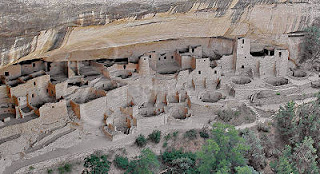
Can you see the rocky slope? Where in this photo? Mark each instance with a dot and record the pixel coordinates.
(60, 30)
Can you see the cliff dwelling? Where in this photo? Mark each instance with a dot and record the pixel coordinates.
(75, 85)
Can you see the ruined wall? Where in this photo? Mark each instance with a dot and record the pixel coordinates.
(144, 66)
(3, 92)
(75, 108)
(266, 66)
(33, 67)
(281, 62)
(166, 59)
(148, 123)
(117, 98)
(93, 111)
(52, 112)
(58, 68)
(226, 63)
(11, 72)
(36, 86)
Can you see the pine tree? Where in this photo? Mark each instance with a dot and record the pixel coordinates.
(286, 124)
(304, 157)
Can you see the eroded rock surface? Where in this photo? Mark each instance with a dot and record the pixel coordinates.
(32, 28)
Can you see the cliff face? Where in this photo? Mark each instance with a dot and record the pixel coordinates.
(62, 30)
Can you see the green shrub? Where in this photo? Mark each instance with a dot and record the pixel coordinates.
(121, 162)
(141, 141)
(178, 161)
(31, 168)
(204, 134)
(165, 144)
(50, 171)
(278, 93)
(191, 134)
(175, 134)
(68, 167)
(65, 168)
(155, 136)
(227, 115)
(97, 164)
(167, 137)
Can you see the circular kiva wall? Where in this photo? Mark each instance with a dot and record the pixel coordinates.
(211, 97)
(299, 73)
(241, 80)
(277, 81)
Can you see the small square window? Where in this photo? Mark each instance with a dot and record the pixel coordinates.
(242, 66)
(199, 72)
(171, 57)
(33, 64)
(215, 71)
(6, 73)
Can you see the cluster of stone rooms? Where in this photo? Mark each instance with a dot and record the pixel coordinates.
(125, 95)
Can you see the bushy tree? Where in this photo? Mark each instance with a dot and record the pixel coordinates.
(121, 162)
(304, 157)
(284, 164)
(155, 136)
(147, 163)
(246, 170)
(97, 164)
(255, 154)
(286, 124)
(179, 161)
(141, 141)
(190, 134)
(223, 152)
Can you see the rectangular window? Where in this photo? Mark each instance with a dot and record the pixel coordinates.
(199, 72)
(6, 73)
(280, 54)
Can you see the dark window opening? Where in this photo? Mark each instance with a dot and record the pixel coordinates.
(52, 106)
(165, 57)
(52, 92)
(49, 66)
(122, 60)
(242, 41)
(149, 56)
(199, 72)
(144, 59)
(6, 73)
(33, 64)
(124, 66)
(271, 53)
(280, 53)
(32, 95)
(34, 83)
(215, 72)
(171, 57)
(258, 54)
(192, 49)
(242, 66)
(159, 58)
